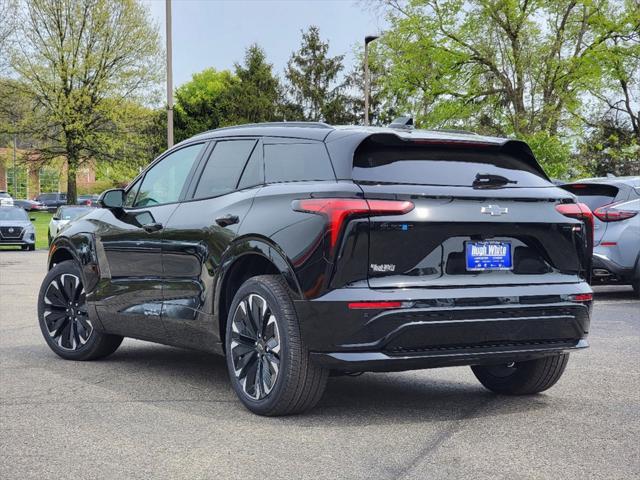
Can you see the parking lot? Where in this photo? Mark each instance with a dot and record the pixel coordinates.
(151, 411)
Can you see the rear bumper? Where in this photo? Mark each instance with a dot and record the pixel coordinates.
(444, 327)
(605, 270)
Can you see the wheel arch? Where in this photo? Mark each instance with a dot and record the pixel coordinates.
(246, 258)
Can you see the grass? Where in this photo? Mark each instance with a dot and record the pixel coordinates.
(41, 223)
(42, 228)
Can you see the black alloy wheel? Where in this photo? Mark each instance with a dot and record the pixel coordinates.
(64, 318)
(255, 346)
(269, 365)
(65, 312)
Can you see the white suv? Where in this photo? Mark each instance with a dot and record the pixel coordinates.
(5, 199)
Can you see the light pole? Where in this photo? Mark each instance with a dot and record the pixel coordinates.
(367, 87)
(169, 77)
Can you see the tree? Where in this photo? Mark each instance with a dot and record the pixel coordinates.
(514, 67)
(312, 75)
(8, 9)
(255, 96)
(619, 59)
(82, 60)
(204, 102)
(503, 67)
(611, 149)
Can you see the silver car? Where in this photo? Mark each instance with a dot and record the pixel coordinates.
(5, 199)
(63, 216)
(615, 203)
(16, 228)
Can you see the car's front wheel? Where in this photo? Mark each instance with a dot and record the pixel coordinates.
(522, 378)
(63, 317)
(268, 363)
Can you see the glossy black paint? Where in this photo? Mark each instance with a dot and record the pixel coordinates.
(167, 273)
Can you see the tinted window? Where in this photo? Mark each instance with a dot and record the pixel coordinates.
(46, 196)
(71, 213)
(223, 169)
(164, 182)
(17, 214)
(593, 195)
(291, 162)
(253, 173)
(440, 166)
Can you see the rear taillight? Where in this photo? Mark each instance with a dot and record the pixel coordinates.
(338, 210)
(609, 213)
(579, 211)
(581, 297)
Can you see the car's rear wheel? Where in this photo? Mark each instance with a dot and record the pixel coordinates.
(522, 378)
(269, 366)
(63, 317)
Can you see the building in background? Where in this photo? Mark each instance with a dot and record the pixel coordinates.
(30, 179)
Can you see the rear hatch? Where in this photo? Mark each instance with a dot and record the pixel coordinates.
(594, 195)
(484, 214)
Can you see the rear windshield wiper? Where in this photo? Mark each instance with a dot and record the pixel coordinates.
(487, 180)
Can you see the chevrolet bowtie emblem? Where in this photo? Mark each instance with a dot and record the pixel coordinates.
(494, 210)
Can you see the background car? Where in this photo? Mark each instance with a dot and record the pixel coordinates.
(16, 228)
(30, 205)
(5, 199)
(52, 200)
(89, 200)
(63, 216)
(615, 202)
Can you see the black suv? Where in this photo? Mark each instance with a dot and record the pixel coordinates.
(300, 249)
(52, 200)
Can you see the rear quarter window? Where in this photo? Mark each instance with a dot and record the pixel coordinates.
(295, 162)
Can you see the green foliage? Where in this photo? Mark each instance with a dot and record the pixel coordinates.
(84, 62)
(553, 154)
(498, 66)
(203, 103)
(611, 150)
(312, 75)
(255, 97)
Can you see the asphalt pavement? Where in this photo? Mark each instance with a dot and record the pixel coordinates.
(151, 411)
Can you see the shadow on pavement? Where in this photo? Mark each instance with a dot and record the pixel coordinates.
(195, 382)
(614, 292)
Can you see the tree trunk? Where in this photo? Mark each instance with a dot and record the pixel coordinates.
(72, 173)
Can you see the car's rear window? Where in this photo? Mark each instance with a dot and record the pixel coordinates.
(437, 165)
(71, 213)
(593, 195)
(295, 162)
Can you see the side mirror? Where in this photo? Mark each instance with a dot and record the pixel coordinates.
(33, 219)
(56, 217)
(112, 198)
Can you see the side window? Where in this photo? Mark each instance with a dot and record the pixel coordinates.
(253, 173)
(223, 168)
(164, 182)
(291, 162)
(131, 194)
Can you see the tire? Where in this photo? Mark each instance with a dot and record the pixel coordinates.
(278, 351)
(522, 378)
(63, 318)
(49, 239)
(32, 248)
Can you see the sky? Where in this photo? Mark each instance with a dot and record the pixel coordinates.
(215, 33)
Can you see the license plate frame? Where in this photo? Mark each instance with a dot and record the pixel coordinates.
(487, 256)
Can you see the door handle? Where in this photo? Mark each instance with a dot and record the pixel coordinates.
(227, 220)
(152, 227)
